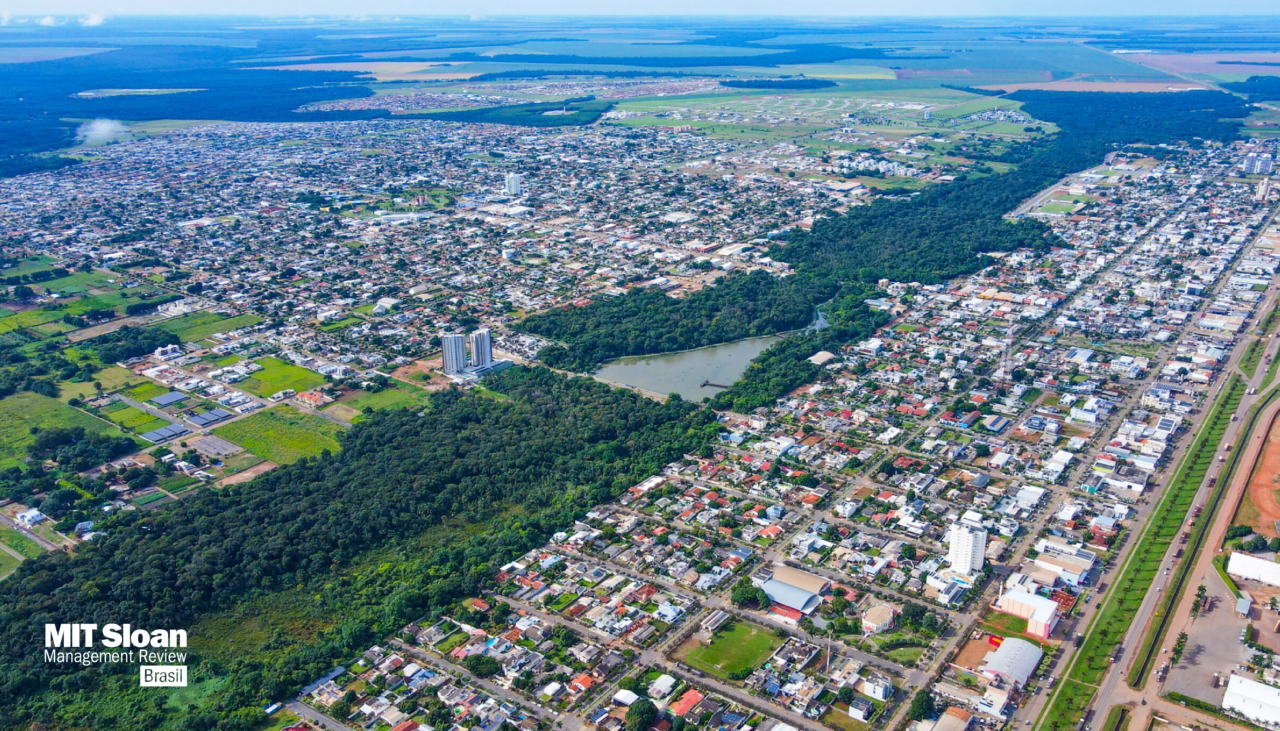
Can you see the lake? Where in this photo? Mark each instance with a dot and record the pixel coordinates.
(684, 372)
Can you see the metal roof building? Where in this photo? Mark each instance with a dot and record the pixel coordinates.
(1253, 700)
(1013, 660)
(794, 597)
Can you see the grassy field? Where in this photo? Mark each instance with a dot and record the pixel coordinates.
(1252, 356)
(20, 543)
(741, 647)
(134, 419)
(8, 564)
(22, 411)
(112, 378)
(402, 396)
(283, 434)
(277, 375)
(200, 325)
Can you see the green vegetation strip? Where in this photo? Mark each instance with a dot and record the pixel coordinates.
(1093, 660)
(1252, 356)
(1117, 719)
(1168, 601)
(20, 543)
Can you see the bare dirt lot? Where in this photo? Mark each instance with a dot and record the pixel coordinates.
(1260, 508)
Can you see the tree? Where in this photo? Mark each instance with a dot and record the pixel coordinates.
(482, 665)
(641, 715)
(909, 552)
(922, 706)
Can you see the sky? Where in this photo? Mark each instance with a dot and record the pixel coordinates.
(105, 9)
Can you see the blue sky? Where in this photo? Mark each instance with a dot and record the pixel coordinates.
(12, 9)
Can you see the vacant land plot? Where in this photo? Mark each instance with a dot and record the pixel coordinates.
(276, 375)
(283, 434)
(402, 396)
(111, 379)
(734, 651)
(8, 563)
(200, 325)
(20, 543)
(22, 411)
(133, 419)
(1261, 509)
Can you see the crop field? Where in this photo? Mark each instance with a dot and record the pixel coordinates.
(283, 434)
(1128, 591)
(277, 375)
(197, 326)
(736, 650)
(22, 411)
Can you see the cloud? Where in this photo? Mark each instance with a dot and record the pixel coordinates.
(100, 131)
(93, 19)
(5, 17)
(49, 21)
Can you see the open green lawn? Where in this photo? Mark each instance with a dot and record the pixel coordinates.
(134, 419)
(283, 434)
(277, 375)
(741, 647)
(21, 411)
(197, 326)
(20, 543)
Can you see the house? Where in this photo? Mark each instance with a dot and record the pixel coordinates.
(877, 619)
(31, 517)
(861, 709)
(686, 703)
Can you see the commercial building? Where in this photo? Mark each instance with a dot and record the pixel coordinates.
(794, 589)
(481, 347)
(1014, 660)
(967, 547)
(1068, 564)
(1244, 566)
(1255, 701)
(1041, 613)
(455, 353)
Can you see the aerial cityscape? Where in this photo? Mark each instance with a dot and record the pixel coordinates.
(572, 373)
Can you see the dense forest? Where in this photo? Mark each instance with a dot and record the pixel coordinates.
(1257, 88)
(647, 321)
(516, 466)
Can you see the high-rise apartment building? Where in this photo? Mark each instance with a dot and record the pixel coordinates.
(455, 353)
(481, 347)
(515, 183)
(967, 548)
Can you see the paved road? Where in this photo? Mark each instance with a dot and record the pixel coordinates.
(314, 717)
(44, 543)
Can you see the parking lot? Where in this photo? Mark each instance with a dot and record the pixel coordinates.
(1213, 646)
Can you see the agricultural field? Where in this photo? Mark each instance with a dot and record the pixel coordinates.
(197, 326)
(277, 375)
(22, 411)
(283, 434)
(733, 651)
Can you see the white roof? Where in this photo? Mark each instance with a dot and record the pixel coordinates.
(1014, 658)
(625, 697)
(1252, 699)
(1251, 567)
(1043, 609)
